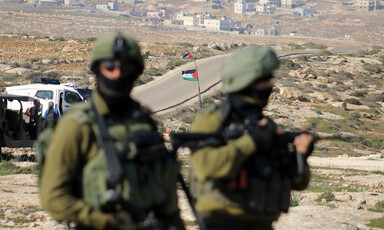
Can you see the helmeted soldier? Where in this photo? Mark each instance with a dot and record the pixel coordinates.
(245, 182)
(107, 167)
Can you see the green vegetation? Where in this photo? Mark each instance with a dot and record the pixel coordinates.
(328, 196)
(378, 207)
(8, 168)
(174, 63)
(153, 71)
(294, 201)
(378, 223)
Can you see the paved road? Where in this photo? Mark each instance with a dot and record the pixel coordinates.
(171, 90)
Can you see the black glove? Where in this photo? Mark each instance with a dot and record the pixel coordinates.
(263, 136)
(121, 221)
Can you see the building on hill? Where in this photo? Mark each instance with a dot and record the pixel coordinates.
(163, 13)
(368, 5)
(224, 24)
(273, 31)
(307, 11)
(239, 7)
(49, 3)
(74, 2)
(290, 3)
(114, 6)
(265, 9)
(213, 7)
(276, 3)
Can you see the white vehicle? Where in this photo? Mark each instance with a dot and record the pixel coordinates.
(62, 96)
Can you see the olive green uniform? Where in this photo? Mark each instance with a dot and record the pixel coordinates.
(211, 166)
(73, 146)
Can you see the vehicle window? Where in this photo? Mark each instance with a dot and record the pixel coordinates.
(71, 97)
(44, 94)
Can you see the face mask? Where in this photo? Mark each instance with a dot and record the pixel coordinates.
(260, 96)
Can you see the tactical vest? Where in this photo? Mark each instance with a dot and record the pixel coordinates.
(149, 170)
(262, 185)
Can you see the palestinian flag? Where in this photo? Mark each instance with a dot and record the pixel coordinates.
(188, 56)
(189, 75)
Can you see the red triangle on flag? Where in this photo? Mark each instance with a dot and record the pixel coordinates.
(195, 75)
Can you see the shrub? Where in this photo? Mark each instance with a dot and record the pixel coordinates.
(359, 140)
(294, 201)
(173, 63)
(53, 74)
(328, 196)
(153, 71)
(26, 65)
(322, 86)
(288, 64)
(32, 75)
(185, 45)
(353, 101)
(354, 115)
(143, 80)
(375, 68)
(359, 93)
(378, 207)
(325, 52)
(312, 45)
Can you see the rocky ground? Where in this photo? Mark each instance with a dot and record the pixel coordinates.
(330, 94)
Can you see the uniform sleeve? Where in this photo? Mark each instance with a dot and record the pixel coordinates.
(60, 178)
(223, 161)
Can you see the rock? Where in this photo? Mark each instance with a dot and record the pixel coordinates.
(4, 67)
(68, 49)
(311, 76)
(291, 93)
(319, 96)
(349, 227)
(146, 53)
(322, 79)
(46, 61)
(294, 73)
(79, 59)
(19, 71)
(195, 49)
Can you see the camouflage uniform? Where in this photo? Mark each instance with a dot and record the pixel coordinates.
(237, 185)
(73, 183)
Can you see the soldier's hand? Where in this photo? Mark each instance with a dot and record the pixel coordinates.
(304, 143)
(121, 221)
(264, 135)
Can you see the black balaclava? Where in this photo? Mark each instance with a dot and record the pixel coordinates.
(261, 96)
(116, 93)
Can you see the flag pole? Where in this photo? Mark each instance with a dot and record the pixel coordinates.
(198, 84)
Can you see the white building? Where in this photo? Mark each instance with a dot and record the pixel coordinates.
(265, 9)
(74, 2)
(113, 6)
(290, 3)
(273, 31)
(223, 23)
(102, 7)
(191, 20)
(239, 7)
(271, 2)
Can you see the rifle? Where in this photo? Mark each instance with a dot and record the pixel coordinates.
(196, 141)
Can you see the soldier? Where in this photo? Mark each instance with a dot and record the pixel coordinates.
(107, 167)
(245, 182)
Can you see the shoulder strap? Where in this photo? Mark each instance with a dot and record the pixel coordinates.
(224, 111)
(114, 170)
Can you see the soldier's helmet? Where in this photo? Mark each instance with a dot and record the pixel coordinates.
(247, 65)
(117, 45)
